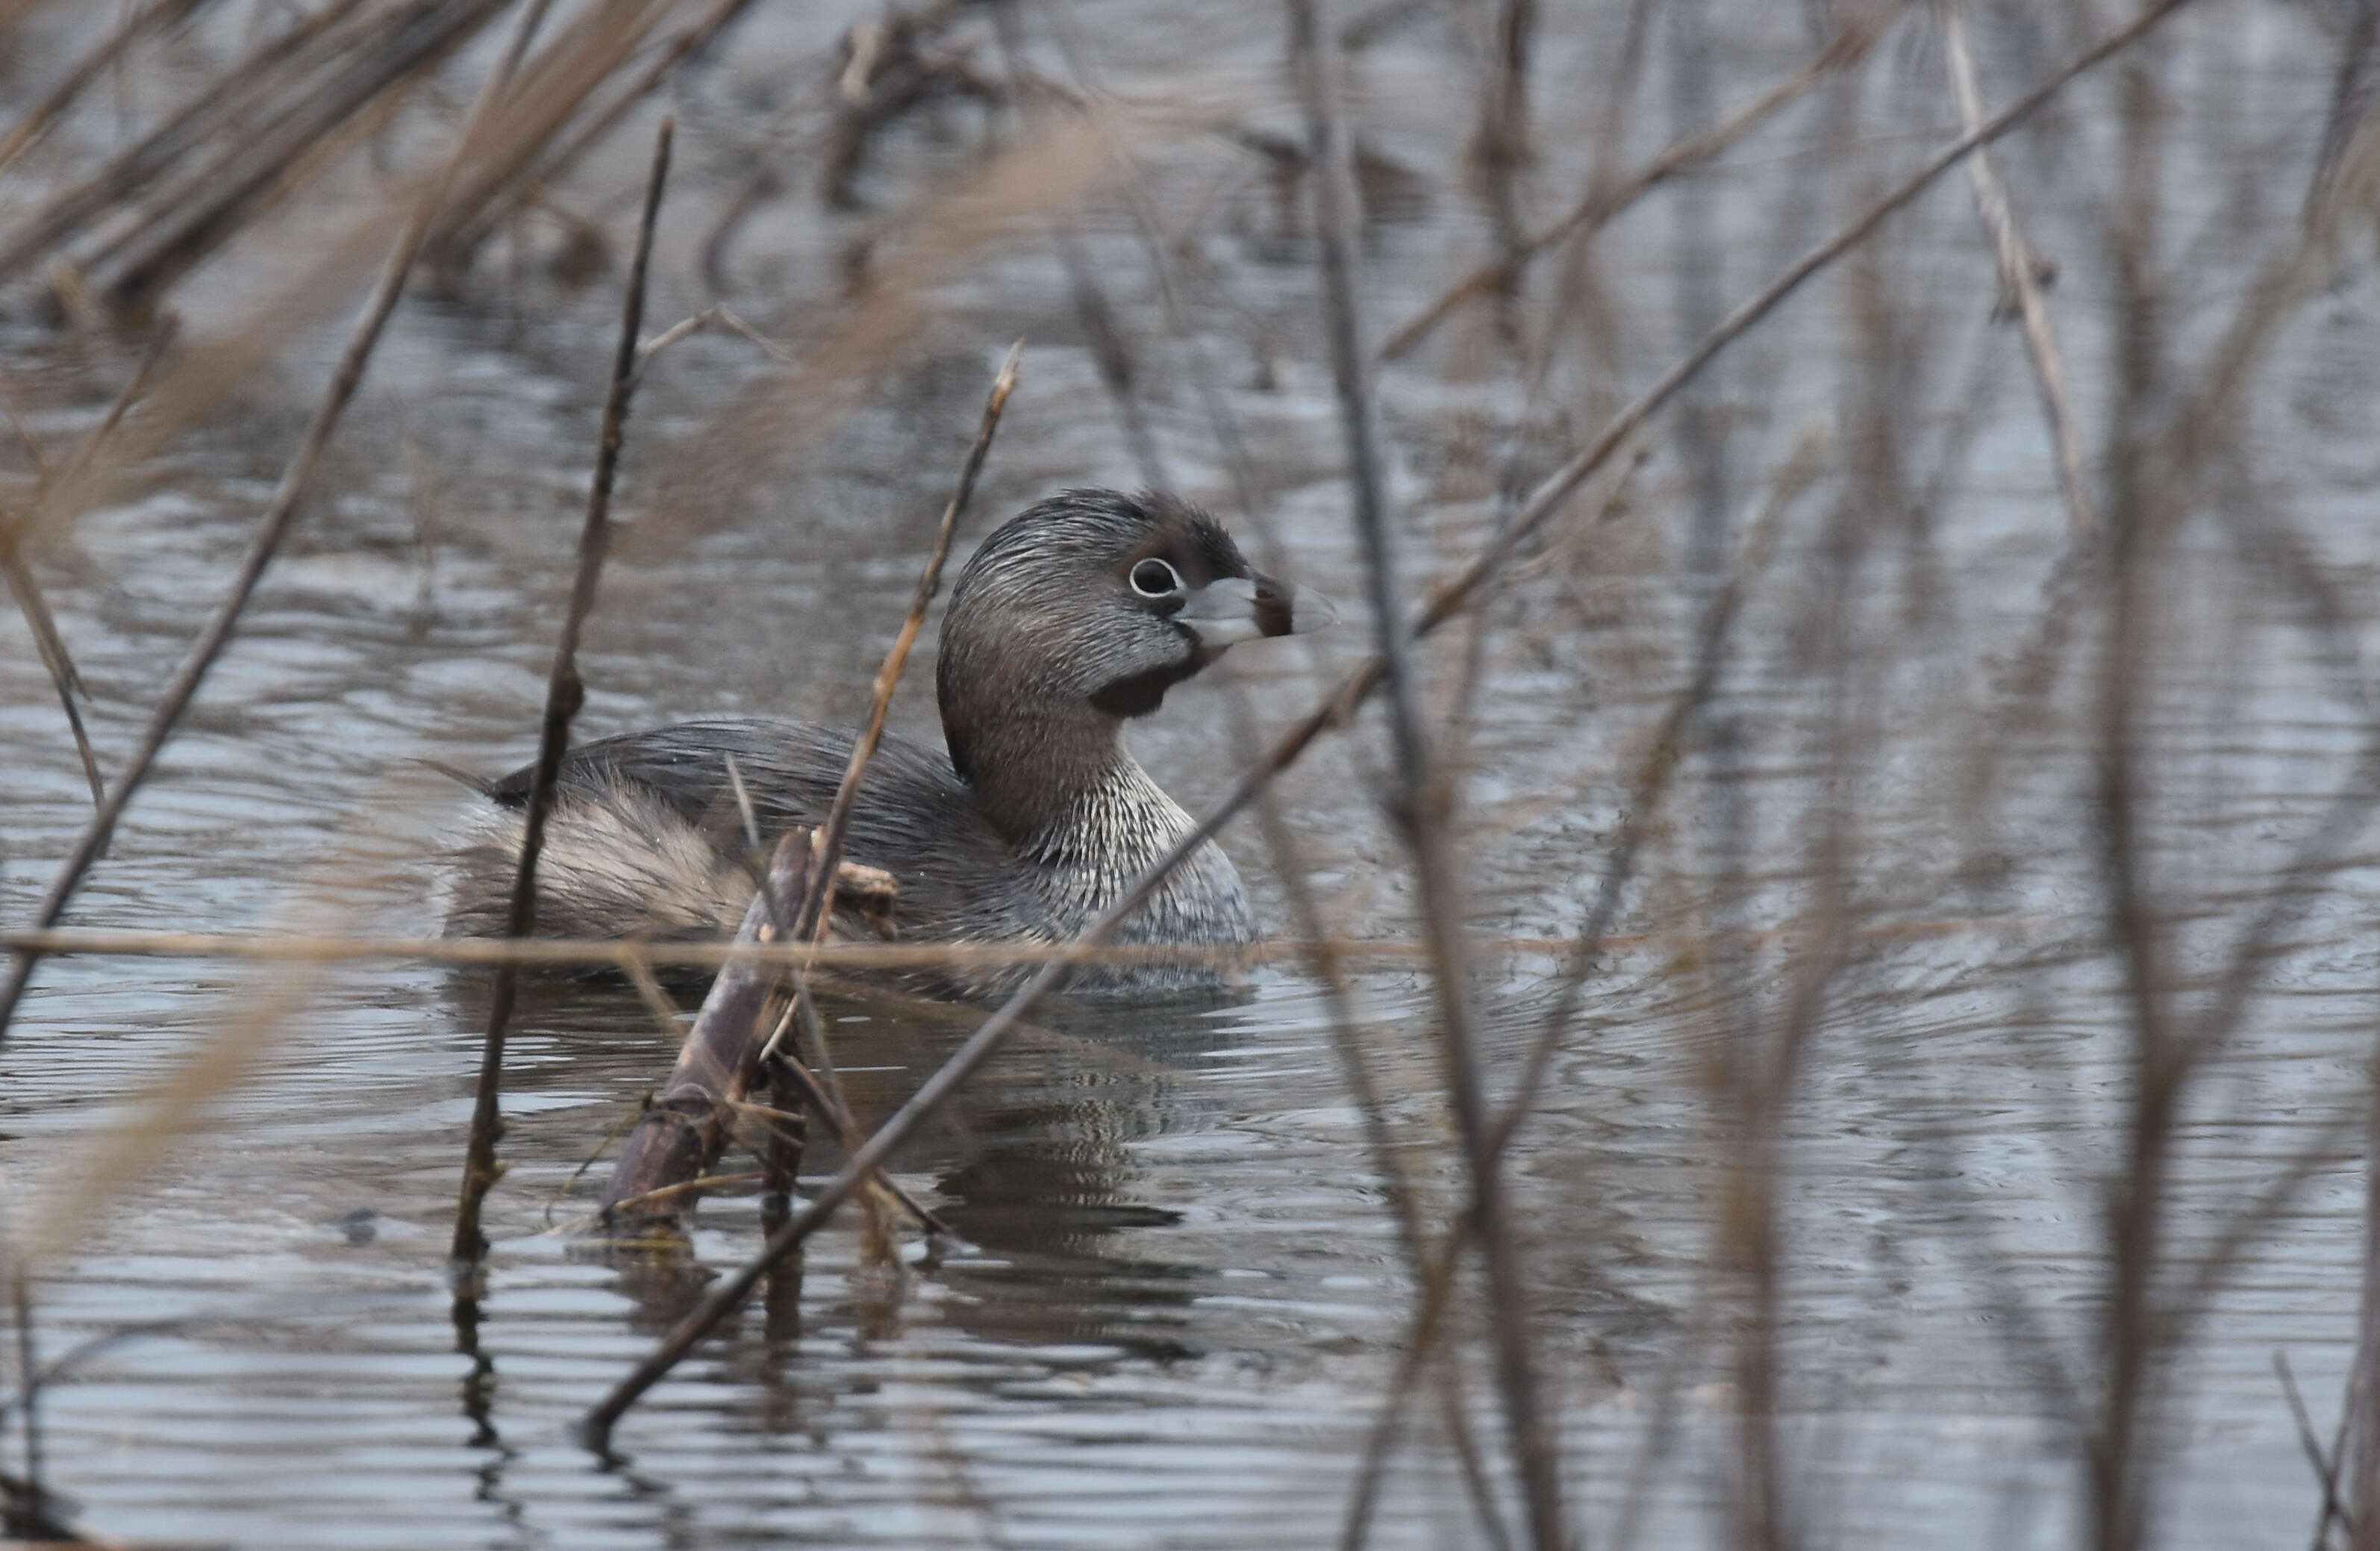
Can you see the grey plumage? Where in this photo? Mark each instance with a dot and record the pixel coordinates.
(1037, 820)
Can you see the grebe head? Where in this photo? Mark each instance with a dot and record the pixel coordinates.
(1082, 611)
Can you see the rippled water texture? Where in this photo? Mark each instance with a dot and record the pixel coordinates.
(1182, 1291)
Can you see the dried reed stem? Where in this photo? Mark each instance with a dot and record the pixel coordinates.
(629, 955)
(280, 511)
(816, 909)
(1603, 203)
(2017, 267)
(563, 694)
(1424, 798)
(685, 327)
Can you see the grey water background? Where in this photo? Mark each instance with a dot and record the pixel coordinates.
(1181, 1294)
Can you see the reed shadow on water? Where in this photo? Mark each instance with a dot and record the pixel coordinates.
(1813, 983)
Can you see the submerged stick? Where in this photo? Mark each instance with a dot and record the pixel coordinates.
(679, 1137)
(802, 1085)
(279, 512)
(563, 694)
(1445, 601)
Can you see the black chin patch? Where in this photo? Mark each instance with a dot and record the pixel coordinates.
(1143, 693)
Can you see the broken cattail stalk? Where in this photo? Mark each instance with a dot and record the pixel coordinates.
(563, 694)
(679, 1138)
(630, 956)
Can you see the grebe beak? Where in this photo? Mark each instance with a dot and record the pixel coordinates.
(1234, 609)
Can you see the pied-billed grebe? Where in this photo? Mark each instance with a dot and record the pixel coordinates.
(1071, 618)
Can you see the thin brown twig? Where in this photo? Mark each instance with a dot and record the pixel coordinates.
(817, 907)
(563, 694)
(623, 1124)
(701, 321)
(1445, 601)
(2019, 273)
(1326, 961)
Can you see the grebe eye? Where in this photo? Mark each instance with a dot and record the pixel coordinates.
(1153, 578)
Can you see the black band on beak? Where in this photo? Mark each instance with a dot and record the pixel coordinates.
(1274, 614)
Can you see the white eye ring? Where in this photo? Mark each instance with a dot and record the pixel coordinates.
(1153, 578)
